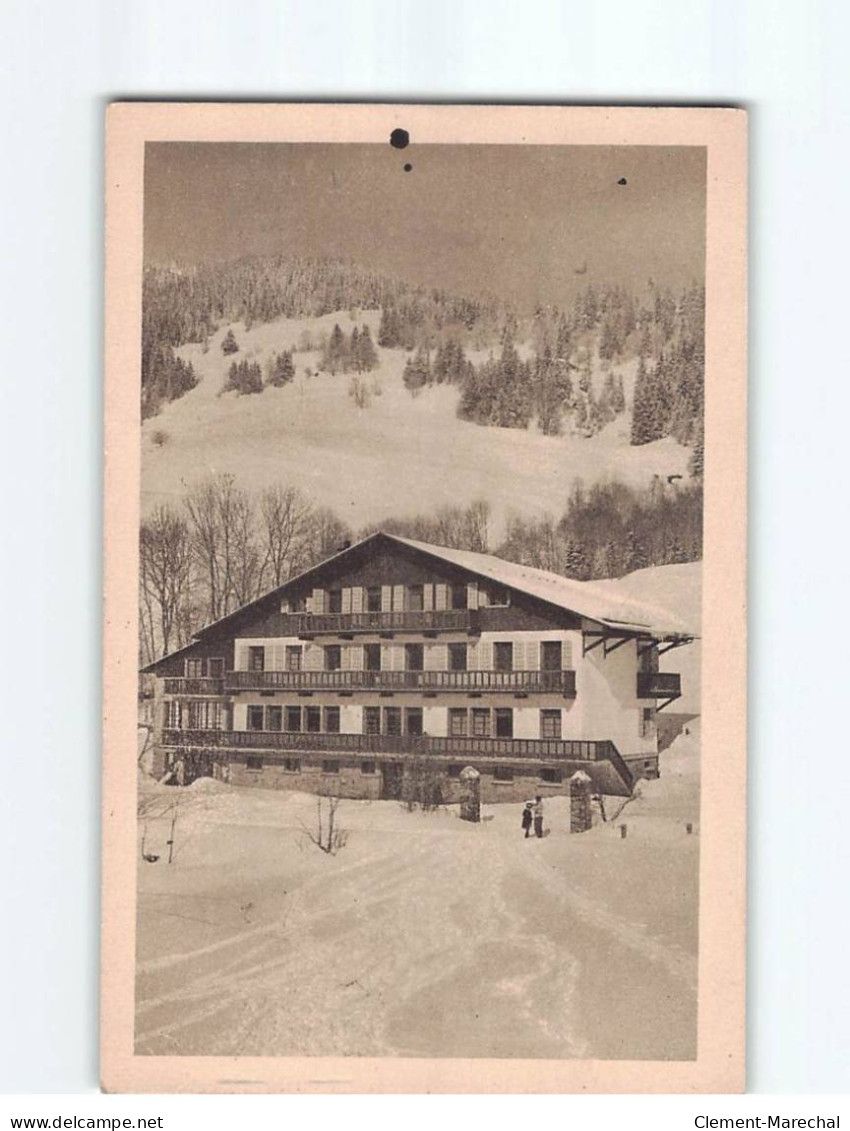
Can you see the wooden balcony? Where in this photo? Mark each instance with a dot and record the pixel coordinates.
(336, 624)
(659, 685)
(611, 775)
(468, 682)
(180, 685)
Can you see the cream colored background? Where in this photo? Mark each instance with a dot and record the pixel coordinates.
(720, 1062)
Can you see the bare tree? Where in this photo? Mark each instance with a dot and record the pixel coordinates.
(326, 534)
(221, 517)
(284, 517)
(165, 570)
(327, 834)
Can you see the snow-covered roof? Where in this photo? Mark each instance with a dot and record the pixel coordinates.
(601, 604)
(597, 603)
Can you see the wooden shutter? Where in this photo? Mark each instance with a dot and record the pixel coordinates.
(386, 598)
(441, 597)
(428, 598)
(398, 598)
(472, 595)
(318, 600)
(346, 601)
(357, 599)
(314, 660)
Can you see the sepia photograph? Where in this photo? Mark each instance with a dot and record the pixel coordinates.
(417, 491)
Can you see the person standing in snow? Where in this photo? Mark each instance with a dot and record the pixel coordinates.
(538, 816)
(527, 818)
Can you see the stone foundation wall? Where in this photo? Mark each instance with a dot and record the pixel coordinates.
(268, 771)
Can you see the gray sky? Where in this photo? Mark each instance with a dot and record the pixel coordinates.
(513, 220)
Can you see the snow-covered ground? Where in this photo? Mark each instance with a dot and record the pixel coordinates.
(401, 454)
(424, 935)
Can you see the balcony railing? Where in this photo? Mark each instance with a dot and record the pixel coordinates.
(555, 682)
(659, 685)
(604, 764)
(180, 685)
(540, 748)
(434, 620)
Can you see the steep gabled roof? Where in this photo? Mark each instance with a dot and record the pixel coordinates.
(603, 605)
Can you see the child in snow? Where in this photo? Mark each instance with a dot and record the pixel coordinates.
(527, 818)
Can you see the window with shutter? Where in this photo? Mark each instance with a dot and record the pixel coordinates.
(332, 720)
(504, 722)
(392, 720)
(458, 722)
(550, 724)
(481, 722)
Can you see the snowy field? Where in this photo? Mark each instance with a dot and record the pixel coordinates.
(424, 935)
(400, 454)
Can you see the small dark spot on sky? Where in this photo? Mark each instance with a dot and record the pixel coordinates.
(399, 139)
(408, 168)
(622, 181)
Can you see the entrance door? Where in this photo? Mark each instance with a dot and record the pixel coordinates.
(391, 778)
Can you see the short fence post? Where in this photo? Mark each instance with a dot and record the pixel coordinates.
(470, 798)
(581, 818)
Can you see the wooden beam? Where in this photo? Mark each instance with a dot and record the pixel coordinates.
(666, 703)
(585, 647)
(613, 648)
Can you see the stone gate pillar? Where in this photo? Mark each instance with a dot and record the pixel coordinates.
(470, 794)
(580, 811)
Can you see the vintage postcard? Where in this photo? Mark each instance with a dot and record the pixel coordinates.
(425, 700)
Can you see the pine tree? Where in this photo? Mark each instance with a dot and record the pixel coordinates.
(336, 353)
(367, 354)
(646, 425)
(282, 369)
(229, 344)
(635, 555)
(576, 564)
(563, 341)
(388, 328)
(416, 371)
(618, 402)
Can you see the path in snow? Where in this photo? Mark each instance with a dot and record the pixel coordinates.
(423, 937)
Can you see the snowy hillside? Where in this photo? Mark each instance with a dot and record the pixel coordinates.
(424, 936)
(390, 458)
